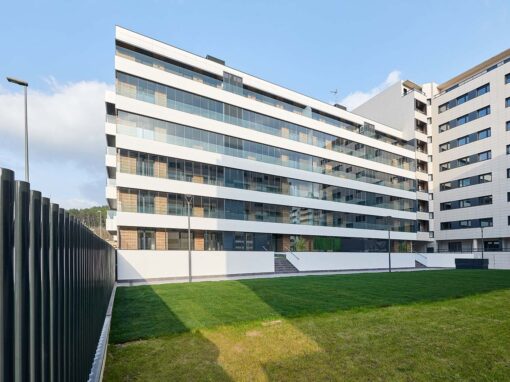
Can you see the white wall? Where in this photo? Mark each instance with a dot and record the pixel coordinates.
(330, 261)
(146, 265)
(497, 260)
(441, 260)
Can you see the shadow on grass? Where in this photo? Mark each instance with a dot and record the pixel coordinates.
(152, 311)
(165, 358)
(298, 296)
(429, 342)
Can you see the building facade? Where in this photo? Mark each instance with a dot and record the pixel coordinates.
(266, 170)
(269, 170)
(468, 135)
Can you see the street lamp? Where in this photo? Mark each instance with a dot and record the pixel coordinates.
(481, 228)
(388, 219)
(25, 86)
(189, 200)
(100, 223)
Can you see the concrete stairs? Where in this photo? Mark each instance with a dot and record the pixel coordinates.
(282, 265)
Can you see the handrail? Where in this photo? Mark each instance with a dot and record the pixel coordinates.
(292, 253)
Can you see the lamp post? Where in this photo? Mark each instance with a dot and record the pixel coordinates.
(481, 228)
(25, 86)
(100, 223)
(189, 200)
(388, 219)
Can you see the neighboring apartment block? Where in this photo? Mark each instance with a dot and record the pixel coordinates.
(267, 170)
(468, 128)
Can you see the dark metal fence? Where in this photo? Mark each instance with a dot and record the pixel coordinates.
(56, 279)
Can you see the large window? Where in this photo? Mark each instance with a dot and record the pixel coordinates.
(218, 208)
(465, 119)
(464, 98)
(465, 182)
(175, 239)
(464, 161)
(189, 171)
(482, 134)
(173, 98)
(462, 224)
(155, 129)
(464, 203)
(146, 240)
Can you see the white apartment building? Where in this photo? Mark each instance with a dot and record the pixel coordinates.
(468, 135)
(270, 171)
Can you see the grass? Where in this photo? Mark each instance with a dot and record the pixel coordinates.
(419, 326)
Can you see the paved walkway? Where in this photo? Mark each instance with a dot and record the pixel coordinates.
(266, 276)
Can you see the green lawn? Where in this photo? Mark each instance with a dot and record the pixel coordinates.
(412, 326)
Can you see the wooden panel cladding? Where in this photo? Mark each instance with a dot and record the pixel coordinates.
(161, 240)
(128, 238)
(127, 164)
(160, 204)
(198, 240)
(127, 201)
(160, 169)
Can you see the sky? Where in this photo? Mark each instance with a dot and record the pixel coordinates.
(65, 50)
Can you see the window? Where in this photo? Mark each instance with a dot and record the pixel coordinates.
(508, 172)
(483, 112)
(146, 240)
(485, 178)
(455, 246)
(446, 206)
(486, 155)
(464, 98)
(507, 125)
(463, 141)
(444, 147)
(507, 102)
(445, 186)
(483, 89)
(507, 78)
(508, 220)
(508, 196)
(508, 149)
(486, 222)
(465, 224)
(444, 166)
(465, 182)
(484, 134)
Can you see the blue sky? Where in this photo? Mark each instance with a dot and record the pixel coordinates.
(65, 50)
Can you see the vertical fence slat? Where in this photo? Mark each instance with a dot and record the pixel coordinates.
(60, 288)
(21, 282)
(45, 290)
(53, 266)
(56, 279)
(6, 275)
(66, 298)
(35, 285)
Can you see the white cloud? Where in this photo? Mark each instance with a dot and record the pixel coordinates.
(66, 139)
(353, 100)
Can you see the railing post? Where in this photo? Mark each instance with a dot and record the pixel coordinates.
(21, 282)
(35, 286)
(6, 275)
(45, 290)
